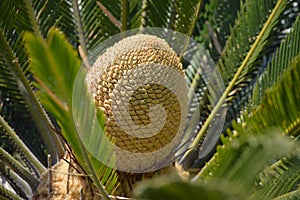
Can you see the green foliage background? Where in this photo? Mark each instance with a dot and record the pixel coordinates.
(254, 43)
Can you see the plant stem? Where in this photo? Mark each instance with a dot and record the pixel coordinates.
(124, 14)
(80, 30)
(32, 18)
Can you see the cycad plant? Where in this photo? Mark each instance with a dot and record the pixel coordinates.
(44, 45)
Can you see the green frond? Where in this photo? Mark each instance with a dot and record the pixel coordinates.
(239, 166)
(239, 41)
(214, 23)
(171, 187)
(55, 84)
(9, 87)
(205, 88)
(251, 56)
(13, 22)
(90, 126)
(272, 112)
(251, 18)
(241, 159)
(159, 13)
(83, 22)
(246, 150)
(20, 148)
(184, 22)
(279, 105)
(18, 168)
(7, 194)
(198, 85)
(54, 13)
(294, 195)
(95, 22)
(227, 12)
(12, 66)
(19, 185)
(171, 14)
(287, 51)
(137, 10)
(277, 181)
(14, 15)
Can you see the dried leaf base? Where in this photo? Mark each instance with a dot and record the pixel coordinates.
(65, 180)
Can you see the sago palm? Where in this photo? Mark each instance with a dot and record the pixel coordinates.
(240, 139)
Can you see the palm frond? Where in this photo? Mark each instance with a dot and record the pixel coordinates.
(214, 23)
(96, 24)
(17, 184)
(17, 167)
(285, 24)
(154, 12)
(250, 21)
(245, 66)
(83, 22)
(291, 195)
(205, 88)
(7, 194)
(53, 13)
(24, 88)
(13, 21)
(246, 140)
(174, 188)
(28, 158)
(56, 84)
(276, 100)
(14, 15)
(137, 11)
(277, 181)
(242, 93)
(227, 12)
(185, 23)
(242, 159)
(286, 52)
(272, 112)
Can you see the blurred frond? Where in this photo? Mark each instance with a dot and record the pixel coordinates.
(279, 179)
(232, 172)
